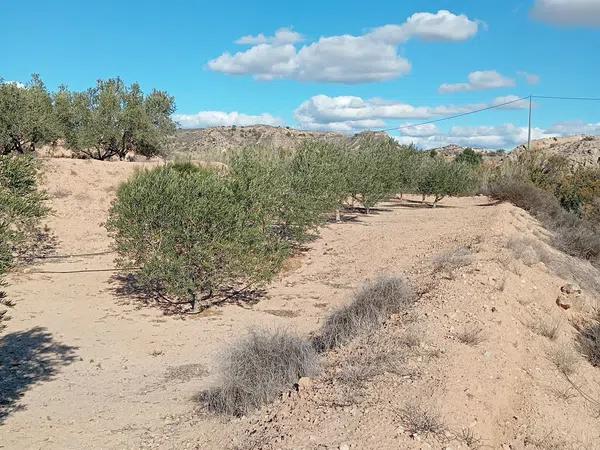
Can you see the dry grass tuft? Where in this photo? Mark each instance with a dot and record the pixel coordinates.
(564, 359)
(371, 306)
(547, 328)
(420, 420)
(471, 336)
(449, 262)
(369, 364)
(469, 438)
(257, 369)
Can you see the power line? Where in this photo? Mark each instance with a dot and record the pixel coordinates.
(475, 111)
(594, 99)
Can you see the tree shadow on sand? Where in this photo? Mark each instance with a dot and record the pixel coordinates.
(128, 289)
(26, 359)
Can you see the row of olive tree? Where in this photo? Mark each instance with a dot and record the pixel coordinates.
(105, 121)
(195, 232)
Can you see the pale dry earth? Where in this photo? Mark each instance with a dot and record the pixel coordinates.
(110, 371)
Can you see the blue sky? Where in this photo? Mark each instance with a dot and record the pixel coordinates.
(334, 65)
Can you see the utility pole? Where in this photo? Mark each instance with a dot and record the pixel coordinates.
(529, 133)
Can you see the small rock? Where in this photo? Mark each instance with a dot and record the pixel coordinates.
(344, 447)
(304, 384)
(564, 301)
(571, 288)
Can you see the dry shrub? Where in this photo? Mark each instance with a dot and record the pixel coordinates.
(450, 261)
(372, 305)
(564, 359)
(588, 341)
(525, 249)
(420, 420)
(257, 369)
(547, 328)
(471, 336)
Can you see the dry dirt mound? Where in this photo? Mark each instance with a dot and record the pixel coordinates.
(91, 365)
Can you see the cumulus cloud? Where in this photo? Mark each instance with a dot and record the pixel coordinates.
(530, 78)
(204, 119)
(370, 57)
(568, 12)
(350, 113)
(479, 81)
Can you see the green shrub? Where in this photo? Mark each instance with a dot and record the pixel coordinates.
(21, 208)
(469, 156)
(189, 235)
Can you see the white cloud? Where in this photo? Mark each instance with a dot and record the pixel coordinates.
(204, 119)
(442, 26)
(479, 81)
(282, 36)
(530, 78)
(568, 12)
(350, 113)
(370, 57)
(576, 127)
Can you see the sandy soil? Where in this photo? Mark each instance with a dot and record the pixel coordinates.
(93, 367)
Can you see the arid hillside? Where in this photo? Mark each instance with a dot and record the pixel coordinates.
(487, 357)
(579, 150)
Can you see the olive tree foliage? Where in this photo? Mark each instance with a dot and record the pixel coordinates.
(470, 156)
(26, 116)
(440, 178)
(188, 234)
(289, 194)
(21, 208)
(112, 119)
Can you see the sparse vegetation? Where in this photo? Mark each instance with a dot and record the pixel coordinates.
(257, 369)
(547, 328)
(375, 302)
(523, 184)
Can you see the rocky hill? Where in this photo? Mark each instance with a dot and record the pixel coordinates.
(579, 150)
(211, 142)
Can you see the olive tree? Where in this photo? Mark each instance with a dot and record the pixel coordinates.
(440, 178)
(188, 235)
(370, 171)
(112, 119)
(26, 116)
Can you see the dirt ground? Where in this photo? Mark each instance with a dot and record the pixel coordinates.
(85, 364)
